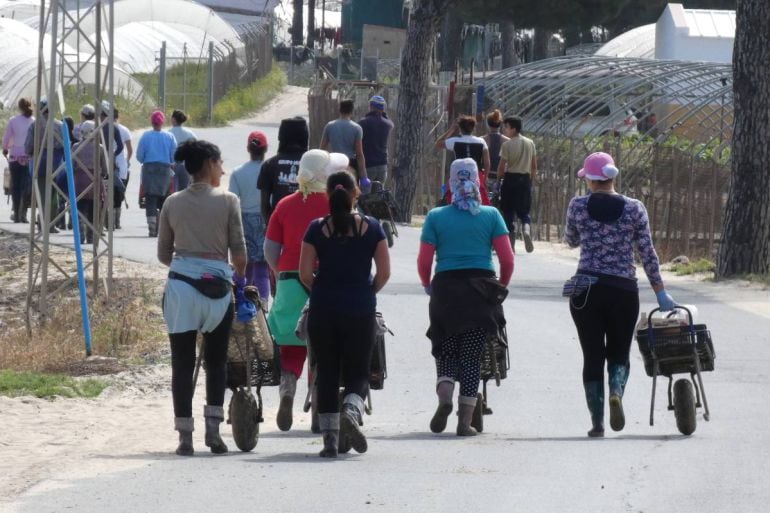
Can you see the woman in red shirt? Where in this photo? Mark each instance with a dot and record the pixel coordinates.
(283, 243)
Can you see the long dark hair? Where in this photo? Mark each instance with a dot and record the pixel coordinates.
(341, 189)
(194, 153)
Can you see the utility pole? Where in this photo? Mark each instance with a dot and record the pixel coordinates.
(92, 31)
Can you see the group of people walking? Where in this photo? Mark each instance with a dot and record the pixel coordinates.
(289, 226)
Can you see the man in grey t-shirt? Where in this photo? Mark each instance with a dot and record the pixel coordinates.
(343, 135)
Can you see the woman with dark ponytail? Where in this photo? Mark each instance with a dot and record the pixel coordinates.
(341, 323)
(198, 228)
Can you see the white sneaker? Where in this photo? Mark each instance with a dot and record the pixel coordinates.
(528, 239)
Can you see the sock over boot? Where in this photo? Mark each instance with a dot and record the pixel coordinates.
(214, 417)
(595, 400)
(185, 427)
(286, 391)
(465, 407)
(329, 424)
(350, 422)
(618, 377)
(444, 390)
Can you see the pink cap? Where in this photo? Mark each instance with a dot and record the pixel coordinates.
(157, 118)
(598, 166)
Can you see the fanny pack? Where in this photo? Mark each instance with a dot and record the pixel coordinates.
(578, 285)
(208, 285)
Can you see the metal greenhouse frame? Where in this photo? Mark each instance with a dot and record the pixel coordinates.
(678, 164)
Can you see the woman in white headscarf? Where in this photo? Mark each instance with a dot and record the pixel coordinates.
(465, 306)
(283, 244)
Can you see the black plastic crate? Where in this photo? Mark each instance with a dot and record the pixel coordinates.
(672, 346)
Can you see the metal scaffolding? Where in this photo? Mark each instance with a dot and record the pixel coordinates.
(49, 272)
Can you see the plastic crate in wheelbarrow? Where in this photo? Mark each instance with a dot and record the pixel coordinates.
(673, 349)
(252, 360)
(379, 204)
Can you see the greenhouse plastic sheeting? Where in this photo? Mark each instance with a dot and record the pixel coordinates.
(18, 64)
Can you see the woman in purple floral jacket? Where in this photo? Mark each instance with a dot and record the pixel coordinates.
(608, 227)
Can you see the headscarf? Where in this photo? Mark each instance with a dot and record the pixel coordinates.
(464, 184)
(315, 167)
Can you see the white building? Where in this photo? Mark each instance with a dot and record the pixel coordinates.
(703, 35)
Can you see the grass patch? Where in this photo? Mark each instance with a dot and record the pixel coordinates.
(239, 101)
(699, 266)
(44, 386)
(133, 115)
(242, 100)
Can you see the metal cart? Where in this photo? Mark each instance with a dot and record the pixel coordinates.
(678, 349)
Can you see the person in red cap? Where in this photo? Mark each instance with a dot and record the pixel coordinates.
(243, 183)
(609, 227)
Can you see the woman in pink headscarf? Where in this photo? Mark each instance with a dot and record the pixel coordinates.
(156, 154)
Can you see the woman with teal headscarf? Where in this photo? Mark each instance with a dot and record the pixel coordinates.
(462, 313)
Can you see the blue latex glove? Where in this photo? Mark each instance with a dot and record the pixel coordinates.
(245, 310)
(665, 301)
(427, 289)
(366, 185)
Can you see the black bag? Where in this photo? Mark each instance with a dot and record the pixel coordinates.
(210, 286)
(577, 285)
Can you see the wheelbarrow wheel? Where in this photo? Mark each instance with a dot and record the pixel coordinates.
(387, 227)
(244, 417)
(684, 406)
(477, 421)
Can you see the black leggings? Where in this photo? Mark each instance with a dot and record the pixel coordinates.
(342, 347)
(20, 187)
(605, 326)
(183, 365)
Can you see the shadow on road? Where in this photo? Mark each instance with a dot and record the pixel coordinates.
(620, 438)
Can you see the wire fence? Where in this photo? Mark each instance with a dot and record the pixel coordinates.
(197, 79)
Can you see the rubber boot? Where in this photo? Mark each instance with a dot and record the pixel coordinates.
(351, 421)
(286, 391)
(618, 377)
(465, 407)
(595, 401)
(185, 427)
(152, 226)
(329, 424)
(444, 390)
(117, 218)
(527, 234)
(214, 417)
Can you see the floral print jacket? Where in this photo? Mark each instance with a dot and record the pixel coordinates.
(607, 247)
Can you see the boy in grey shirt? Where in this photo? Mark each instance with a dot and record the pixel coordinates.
(343, 135)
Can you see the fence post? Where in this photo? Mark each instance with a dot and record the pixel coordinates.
(291, 64)
(211, 82)
(162, 78)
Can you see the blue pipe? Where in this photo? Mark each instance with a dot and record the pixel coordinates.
(76, 234)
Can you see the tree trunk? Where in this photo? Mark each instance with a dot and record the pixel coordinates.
(424, 22)
(310, 23)
(745, 242)
(296, 24)
(450, 41)
(540, 50)
(508, 36)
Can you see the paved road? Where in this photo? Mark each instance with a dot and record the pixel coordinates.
(533, 455)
